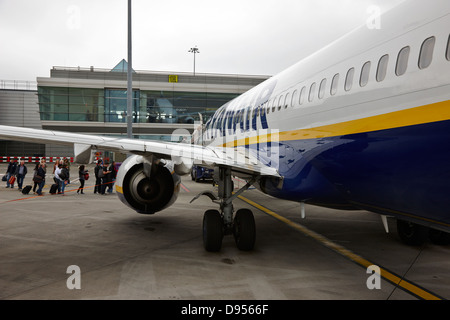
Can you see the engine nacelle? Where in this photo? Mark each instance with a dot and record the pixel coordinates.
(143, 194)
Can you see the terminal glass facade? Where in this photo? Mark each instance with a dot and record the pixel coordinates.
(110, 105)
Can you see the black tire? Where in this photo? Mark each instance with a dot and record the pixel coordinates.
(212, 230)
(195, 176)
(411, 233)
(439, 237)
(244, 230)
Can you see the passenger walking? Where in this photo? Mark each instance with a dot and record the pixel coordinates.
(20, 173)
(67, 163)
(35, 171)
(56, 176)
(82, 175)
(98, 179)
(62, 174)
(10, 172)
(113, 174)
(40, 177)
(55, 166)
(106, 179)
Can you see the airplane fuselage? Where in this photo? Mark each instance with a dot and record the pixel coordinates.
(362, 124)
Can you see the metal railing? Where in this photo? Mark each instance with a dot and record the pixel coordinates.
(18, 85)
(7, 159)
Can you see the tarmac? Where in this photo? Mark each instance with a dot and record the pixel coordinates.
(93, 247)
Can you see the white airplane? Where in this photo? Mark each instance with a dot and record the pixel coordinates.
(363, 123)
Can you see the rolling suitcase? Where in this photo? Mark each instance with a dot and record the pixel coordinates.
(54, 188)
(12, 180)
(26, 190)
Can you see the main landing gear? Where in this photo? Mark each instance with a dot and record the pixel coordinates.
(416, 235)
(218, 223)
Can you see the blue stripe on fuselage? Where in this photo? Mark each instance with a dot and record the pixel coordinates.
(401, 171)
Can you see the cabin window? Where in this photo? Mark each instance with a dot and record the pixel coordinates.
(274, 104)
(349, 79)
(287, 101)
(382, 67)
(241, 120)
(402, 61)
(322, 86)
(426, 52)
(334, 84)
(447, 53)
(227, 120)
(302, 96)
(312, 92)
(280, 102)
(219, 122)
(249, 111)
(294, 98)
(365, 71)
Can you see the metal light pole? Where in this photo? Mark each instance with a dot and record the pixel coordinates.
(194, 51)
(129, 80)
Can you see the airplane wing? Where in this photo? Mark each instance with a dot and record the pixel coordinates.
(238, 160)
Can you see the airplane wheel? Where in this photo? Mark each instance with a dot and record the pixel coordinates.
(411, 233)
(244, 230)
(194, 176)
(212, 230)
(439, 237)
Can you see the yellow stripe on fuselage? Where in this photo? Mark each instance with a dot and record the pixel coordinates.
(425, 114)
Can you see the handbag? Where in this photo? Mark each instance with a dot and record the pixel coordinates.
(86, 176)
(5, 178)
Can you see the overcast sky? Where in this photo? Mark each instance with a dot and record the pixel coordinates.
(259, 37)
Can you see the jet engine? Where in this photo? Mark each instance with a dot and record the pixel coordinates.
(146, 185)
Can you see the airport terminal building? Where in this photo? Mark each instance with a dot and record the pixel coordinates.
(94, 101)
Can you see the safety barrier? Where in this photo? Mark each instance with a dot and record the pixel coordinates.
(33, 159)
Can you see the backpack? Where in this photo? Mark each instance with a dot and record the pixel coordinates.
(63, 175)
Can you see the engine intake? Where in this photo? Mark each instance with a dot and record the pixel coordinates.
(143, 194)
